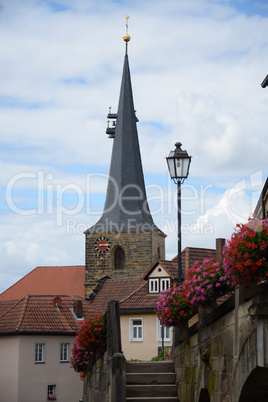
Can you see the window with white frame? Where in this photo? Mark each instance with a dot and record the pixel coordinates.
(164, 284)
(39, 353)
(159, 332)
(64, 352)
(153, 285)
(51, 392)
(136, 329)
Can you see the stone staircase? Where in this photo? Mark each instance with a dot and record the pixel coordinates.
(151, 381)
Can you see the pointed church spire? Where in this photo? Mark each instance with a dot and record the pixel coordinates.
(126, 207)
(125, 241)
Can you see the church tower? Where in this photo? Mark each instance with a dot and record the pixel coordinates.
(125, 241)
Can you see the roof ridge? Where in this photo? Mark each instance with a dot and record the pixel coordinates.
(162, 259)
(199, 248)
(55, 295)
(167, 262)
(10, 308)
(27, 297)
(125, 278)
(135, 291)
(57, 266)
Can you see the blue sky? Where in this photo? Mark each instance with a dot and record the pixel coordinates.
(196, 70)
(251, 8)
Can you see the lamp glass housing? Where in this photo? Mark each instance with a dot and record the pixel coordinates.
(178, 163)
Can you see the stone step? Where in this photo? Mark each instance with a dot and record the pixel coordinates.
(163, 390)
(150, 367)
(151, 378)
(153, 399)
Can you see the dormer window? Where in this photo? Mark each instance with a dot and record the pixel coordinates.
(154, 285)
(157, 285)
(164, 284)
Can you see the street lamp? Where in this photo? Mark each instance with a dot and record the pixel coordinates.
(178, 164)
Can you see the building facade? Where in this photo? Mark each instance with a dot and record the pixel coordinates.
(36, 338)
(261, 209)
(37, 366)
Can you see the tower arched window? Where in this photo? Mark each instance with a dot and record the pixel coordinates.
(119, 258)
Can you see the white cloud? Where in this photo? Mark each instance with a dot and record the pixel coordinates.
(196, 70)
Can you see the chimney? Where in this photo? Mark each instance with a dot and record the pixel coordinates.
(78, 308)
(219, 247)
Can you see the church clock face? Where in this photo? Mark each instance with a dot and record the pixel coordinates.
(102, 245)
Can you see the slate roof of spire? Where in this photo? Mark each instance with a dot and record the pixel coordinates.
(126, 207)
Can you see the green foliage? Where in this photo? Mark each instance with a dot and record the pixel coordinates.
(159, 358)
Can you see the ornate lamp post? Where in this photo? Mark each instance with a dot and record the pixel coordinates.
(178, 164)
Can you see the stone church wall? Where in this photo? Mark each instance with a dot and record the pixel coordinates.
(141, 250)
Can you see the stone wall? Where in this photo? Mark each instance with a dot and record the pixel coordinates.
(216, 357)
(106, 377)
(97, 382)
(141, 250)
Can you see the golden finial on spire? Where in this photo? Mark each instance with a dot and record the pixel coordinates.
(126, 37)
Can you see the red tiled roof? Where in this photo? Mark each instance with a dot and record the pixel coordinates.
(170, 266)
(6, 305)
(115, 289)
(190, 255)
(66, 280)
(139, 300)
(132, 293)
(38, 314)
